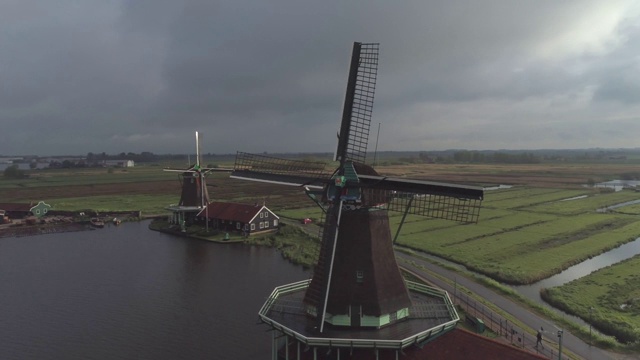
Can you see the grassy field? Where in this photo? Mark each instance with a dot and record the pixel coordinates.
(516, 244)
(614, 295)
(521, 244)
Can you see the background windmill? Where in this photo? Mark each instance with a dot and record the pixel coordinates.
(194, 196)
(356, 282)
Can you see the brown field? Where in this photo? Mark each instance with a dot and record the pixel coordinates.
(538, 175)
(223, 188)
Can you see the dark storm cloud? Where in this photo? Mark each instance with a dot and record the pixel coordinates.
(143, 75)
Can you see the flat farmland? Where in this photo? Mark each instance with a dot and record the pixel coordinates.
(525, 233)
(546, 222)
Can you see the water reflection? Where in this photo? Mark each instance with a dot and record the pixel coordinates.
(130, 293)
(616, 206)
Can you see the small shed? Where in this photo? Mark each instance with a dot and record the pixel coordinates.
(119, 163)
(40, 210)
(243, 218)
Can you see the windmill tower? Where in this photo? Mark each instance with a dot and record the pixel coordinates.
(194, 196)
(357, 297)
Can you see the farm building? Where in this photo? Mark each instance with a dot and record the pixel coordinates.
(119, 163)
(247, 219)
(23, 210)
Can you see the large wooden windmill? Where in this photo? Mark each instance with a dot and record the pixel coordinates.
(194, 196)
(356, 284)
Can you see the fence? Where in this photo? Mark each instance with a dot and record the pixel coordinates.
(501, 326)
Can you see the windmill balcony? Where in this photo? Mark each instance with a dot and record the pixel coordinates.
(431, 314)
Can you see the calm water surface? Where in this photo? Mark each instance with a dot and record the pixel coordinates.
(130, 293)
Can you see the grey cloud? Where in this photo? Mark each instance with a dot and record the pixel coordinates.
(143, 75)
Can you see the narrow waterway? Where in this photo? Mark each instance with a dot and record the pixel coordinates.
(584, 268)
(131, 293)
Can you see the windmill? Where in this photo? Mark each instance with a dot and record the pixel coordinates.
(356, 283)
(194, 196)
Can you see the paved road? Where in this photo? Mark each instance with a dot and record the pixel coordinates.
(570, 342)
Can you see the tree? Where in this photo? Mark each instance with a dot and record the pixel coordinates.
(13, 172)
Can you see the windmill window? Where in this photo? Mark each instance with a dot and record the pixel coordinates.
(261, 215)
(261, 225)
(359, 276)
(266, 224)
(44, 211)
(38, 211)
(266, 214)
(238, 225)
(253, 226)
(275, 223)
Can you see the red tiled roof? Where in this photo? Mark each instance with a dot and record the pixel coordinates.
(15, 207)
(231, 211)
(461, 344)
(457, 344)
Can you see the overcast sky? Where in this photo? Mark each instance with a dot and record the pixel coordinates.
(270, 75)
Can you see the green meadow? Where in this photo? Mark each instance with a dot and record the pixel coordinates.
(609, 298)
(527, 234)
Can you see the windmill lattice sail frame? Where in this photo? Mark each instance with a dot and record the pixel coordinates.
(358, 103)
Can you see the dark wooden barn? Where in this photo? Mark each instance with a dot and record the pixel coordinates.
(243, 218)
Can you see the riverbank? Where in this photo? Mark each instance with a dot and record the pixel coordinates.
(194, 232)
(294, 243)
(66, 221)
(41, 229)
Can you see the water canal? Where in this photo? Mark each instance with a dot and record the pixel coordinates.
(130, 293)
(613, 256)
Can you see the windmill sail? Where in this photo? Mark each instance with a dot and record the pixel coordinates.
(194, 187)
(432, 199)
(280, 171)
(358, 103)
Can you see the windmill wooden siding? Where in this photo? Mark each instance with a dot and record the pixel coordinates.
(242, 218)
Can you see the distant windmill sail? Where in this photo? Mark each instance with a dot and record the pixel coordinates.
(194, 188)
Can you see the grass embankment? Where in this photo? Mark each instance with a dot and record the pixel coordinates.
(608, 298)
(294, 244)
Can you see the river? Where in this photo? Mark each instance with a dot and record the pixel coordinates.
(130, 293)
